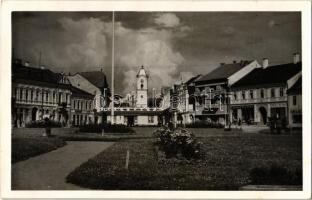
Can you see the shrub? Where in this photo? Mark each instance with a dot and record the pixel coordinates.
(42, 124)
(177, 142)
(108, 128)
(276, 175)
(205, 124)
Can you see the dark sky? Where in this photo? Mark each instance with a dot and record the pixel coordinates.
(170, 45)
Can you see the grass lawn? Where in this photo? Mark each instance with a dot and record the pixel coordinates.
(24, 147)
(225, 165)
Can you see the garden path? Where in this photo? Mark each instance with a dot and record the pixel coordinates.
(48, 171)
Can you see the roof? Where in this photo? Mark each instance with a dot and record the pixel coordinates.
(142, 72)
(272, 75)
(97, 78)
(296, 88)
(193, 79)
(76, 92)
(223, 72)
(36, 76)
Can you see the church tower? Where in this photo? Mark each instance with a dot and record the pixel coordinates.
(142, 84)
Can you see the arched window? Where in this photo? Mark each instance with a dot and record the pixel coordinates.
(142, 83)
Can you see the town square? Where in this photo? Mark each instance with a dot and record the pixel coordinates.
(177, 101)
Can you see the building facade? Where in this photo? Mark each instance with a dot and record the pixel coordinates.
(294, 95)
(94, 83)
(39, 93)
(262, 94)
(212, 91)
(82, 107)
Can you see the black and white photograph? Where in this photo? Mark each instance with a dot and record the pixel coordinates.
(143, 100)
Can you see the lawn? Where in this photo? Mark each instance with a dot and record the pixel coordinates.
(24, 147)
(225, 164)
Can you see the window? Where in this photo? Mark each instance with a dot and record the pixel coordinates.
(294, 100)
(142, 83)
(235, 96)
(243, 94)
(31, 95)
(262, 93)
(21, 94)
(26, 95)
(142, 96)
(53, 96)
(74, 104)
(60, 97)
(251, 94)
(86, 105)
(37, 95)
(272, 92)
(47, 96)
(281, 92)
(150, 119)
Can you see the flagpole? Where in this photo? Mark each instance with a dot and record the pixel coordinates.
(113, 63)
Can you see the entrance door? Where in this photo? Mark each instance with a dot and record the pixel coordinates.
(130, 121)
(34, 114)
(264, 115)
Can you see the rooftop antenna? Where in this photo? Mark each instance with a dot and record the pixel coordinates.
(113, 63)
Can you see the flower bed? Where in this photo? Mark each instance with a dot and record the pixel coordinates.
(177, 143)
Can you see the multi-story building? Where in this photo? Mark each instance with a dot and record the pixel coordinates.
(183, 100)
(38, 93)
(262, 93)
(212, 91)
(94, 83)
(82, 107)
(294, 95)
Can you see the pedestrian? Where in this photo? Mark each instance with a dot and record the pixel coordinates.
(239, 123)
(279, 125)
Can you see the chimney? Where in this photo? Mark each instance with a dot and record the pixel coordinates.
(221, 64)
(26, 64)
(265, 63)
(296, 58)
(234, 61)
(42, 66)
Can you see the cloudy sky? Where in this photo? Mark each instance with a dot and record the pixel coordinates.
(170, 45)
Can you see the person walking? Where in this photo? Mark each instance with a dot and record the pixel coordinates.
(279, 125)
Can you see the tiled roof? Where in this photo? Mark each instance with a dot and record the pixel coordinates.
(296, 88)
(193, 79)
(36, 76)
(97, 78)
(272, 75)
(80, 93)
(223, 72)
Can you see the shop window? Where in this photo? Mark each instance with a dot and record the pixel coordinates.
(150, 119)
(297, 118)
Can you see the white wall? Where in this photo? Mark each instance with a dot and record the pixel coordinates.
(243, 72)
(82, 83)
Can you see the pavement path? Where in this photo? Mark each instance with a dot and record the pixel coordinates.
(48, 171)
